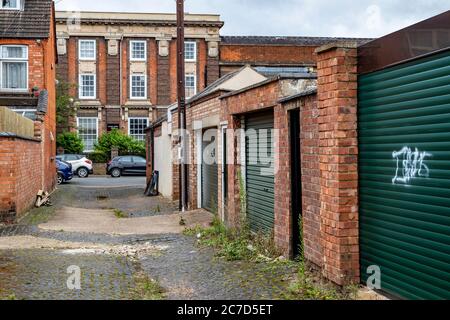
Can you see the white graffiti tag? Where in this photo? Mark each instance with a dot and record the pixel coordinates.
(410, 164)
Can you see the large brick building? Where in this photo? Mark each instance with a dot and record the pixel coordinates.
(124, 66)
(272, 55)
(27, 86)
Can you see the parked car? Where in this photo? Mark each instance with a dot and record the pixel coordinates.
(65, 172)
(81, 165)
(133, 165)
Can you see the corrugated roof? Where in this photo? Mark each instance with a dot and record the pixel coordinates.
(32, 22)
(297, 41)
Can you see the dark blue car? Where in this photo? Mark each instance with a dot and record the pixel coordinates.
(64, 171)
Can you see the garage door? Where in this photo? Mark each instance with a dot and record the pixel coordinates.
(259, 171)
(404, 132)
(209, 175)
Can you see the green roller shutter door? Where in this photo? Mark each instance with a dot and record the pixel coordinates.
(209, 176)
(404, 141)
(260, 180)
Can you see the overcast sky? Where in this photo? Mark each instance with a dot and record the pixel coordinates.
(346, 18)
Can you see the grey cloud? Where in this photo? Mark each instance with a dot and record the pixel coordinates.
(364, 18)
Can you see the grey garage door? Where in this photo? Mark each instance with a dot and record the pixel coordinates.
(259, 171)
(210, 175)
(404, 134)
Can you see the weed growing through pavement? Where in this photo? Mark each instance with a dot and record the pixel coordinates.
(120, 214)
(146, 288)
(242, 244)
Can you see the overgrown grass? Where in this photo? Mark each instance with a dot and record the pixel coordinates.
(235, 244)
(146, 288)
(309, 285)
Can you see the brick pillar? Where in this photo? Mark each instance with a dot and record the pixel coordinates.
(337, 95)
(283, 205)
(233, 215)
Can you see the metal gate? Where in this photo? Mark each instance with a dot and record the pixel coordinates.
(404, 143)
(260, 180)
(209, 175)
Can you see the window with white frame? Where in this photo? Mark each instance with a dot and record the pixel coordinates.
(88, 132)
(138, 86)
(87, 49)
(136, 128)
(10, 4)
(14, 67)
(190, 51)
(87, 86)
(138, 50)
(191, 85)
(27, 113)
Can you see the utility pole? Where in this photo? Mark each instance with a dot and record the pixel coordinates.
(181, 105)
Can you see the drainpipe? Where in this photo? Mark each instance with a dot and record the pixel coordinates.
(120, 75)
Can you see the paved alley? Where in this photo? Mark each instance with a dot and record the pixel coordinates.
(115, 235)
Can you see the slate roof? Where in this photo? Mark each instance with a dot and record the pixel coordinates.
(297, 41)
(32, 22)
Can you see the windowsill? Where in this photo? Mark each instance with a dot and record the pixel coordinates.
(135, 102)
(186, 60)
(21, 91)
(87, 60)
(89, 102)
(138, 60)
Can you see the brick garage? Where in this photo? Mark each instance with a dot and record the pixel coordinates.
(329, 182)
(206, 112)
(264, 96)
(306, 105)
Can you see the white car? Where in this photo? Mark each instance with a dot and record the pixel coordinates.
(81, 166)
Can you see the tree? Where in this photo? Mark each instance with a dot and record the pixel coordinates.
(71, 142)
(64, 108)
(125, 144)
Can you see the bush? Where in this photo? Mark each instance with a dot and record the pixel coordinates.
(126, 144)
(71, 142)
(98, 157)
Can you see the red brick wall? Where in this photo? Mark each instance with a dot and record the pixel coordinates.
(125, 67)
(266, 55)
(20, 176)
(202, 53)
(309, 136)
(49, 130)
(152, 70)
(101, 70)
(198, 112)
(173, 70)
(283, 203)
(42, 74)
(72, 68)
(337, 94)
